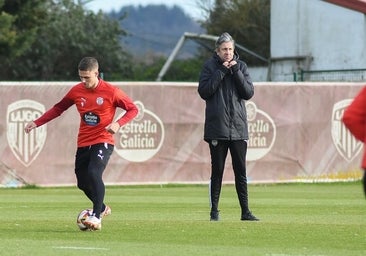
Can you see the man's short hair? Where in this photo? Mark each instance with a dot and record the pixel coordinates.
(88, 64)
(225, 37)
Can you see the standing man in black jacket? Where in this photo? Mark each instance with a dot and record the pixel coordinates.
(224, 84)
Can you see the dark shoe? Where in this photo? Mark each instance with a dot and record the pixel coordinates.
(249, 216)
(214, 216)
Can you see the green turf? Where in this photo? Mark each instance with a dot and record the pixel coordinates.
(296, 219)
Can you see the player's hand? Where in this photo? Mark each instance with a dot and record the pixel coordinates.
(30, 126)
(113, 128)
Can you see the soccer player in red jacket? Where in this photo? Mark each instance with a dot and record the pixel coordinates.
(96, 102)
(354, 118)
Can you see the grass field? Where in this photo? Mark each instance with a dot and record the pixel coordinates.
(296, 219)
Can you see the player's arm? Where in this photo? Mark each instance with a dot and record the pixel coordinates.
(51, 114)
(124, 102)
(354, 116)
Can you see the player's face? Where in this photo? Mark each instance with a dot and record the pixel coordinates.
(226, 51)
(89, 78)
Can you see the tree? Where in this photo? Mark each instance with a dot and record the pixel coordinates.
(181, 70)
(68, 33)
(248, 21)
(19, 22)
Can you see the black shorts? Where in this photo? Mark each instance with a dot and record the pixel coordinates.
(92, 158)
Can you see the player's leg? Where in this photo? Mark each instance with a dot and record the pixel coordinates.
(218, 151)
(238, 151)
(99, 157)
(82, 160)
(81, 171)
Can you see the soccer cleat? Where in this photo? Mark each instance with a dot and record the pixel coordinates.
(214, 216)
(107, 211)
(249, 216)
(93, 223)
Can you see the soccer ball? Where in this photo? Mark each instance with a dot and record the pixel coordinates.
(81, 218)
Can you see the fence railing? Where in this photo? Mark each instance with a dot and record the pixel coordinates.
(344, 75)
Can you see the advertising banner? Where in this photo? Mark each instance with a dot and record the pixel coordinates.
(295, 133)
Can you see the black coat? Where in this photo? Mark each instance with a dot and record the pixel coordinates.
(225, 91)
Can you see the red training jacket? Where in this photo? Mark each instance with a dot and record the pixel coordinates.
(97, 108)
(354, 118)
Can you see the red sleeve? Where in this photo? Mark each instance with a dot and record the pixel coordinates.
(124, 102)
(354, 116)
(55, 111)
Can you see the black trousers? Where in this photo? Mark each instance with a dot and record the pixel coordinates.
(238, 151)
(90, 163)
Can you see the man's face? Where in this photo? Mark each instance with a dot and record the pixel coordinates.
(226, 51)
(89, 78)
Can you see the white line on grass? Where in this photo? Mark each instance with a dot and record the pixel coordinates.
(281, 254)
(80, 248)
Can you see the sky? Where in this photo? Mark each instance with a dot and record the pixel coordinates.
(190, 7)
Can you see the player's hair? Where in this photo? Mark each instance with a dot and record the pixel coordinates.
(88, 64)
(225, 37)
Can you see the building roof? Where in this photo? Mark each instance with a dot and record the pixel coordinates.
(356, 5)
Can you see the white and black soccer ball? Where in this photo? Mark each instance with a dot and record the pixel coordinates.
(82, 217)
